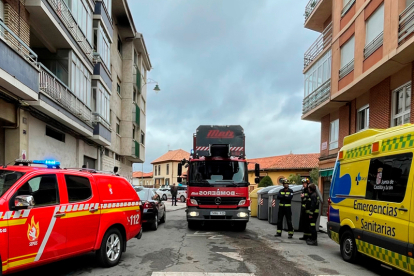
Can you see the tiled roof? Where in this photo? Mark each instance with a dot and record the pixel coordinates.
(172, 155)
(289, 161)
(139, 175)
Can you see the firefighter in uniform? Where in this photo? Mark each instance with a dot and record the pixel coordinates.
(285, 198)
(313, 204)
(304, 218)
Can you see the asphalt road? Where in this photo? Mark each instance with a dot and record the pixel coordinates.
(174, 248)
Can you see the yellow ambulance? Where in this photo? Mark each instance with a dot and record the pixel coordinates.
(371, 204)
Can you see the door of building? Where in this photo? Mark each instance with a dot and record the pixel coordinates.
(89, 162)
(325, 194)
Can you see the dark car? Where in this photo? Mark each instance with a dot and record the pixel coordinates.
(153, 208)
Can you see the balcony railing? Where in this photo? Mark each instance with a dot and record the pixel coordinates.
(323, 41)
(58, 91)
(406, 26)
(347, 7)
(348, 68)
(136, 113)
(310, 7)
(135, 149)
(373, 45)
(97, 118)
(17, 44)
(317, 97)
(66, 16)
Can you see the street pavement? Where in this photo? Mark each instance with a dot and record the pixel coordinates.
(174, 250)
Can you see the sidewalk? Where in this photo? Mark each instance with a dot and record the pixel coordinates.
(180, 205)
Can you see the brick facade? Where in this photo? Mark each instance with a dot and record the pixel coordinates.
(352, 124)
(325, 125)
(380, 105)
(343, 124)
(17, 19)
(412, 98)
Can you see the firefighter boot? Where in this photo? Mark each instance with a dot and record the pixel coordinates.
(278, 233)
(312, 242)
(290, 236)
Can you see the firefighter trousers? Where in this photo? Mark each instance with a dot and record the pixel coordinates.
(305, 222)
(284, 212)
(313, 230)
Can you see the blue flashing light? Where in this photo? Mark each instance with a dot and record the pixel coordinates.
(47, 162)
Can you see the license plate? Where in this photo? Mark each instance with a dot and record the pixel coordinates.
(216, 213)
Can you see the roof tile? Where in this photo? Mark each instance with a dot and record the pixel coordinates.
(139, 175)
(172, 155)
(289, 161)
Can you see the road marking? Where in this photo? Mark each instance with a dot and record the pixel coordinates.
(199, 274)
(232, 255)
(209, 235)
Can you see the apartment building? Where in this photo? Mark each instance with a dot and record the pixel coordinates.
(165, 167)
(359, 72)
(71, 83)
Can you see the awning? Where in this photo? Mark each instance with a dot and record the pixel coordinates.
(326, 172)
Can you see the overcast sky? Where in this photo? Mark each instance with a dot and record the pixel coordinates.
(226, 62)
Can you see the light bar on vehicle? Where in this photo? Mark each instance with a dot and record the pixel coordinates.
(48, 163)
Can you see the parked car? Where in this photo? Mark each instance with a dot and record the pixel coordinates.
(153, 208)
(164, 192)
(50, 214)
(182, 193)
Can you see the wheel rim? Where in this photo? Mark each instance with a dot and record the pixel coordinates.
(164, 197)
(182, 199)
(113, 247)
(348, 246)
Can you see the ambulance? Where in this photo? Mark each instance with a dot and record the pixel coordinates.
(48, 214)
(371, 205)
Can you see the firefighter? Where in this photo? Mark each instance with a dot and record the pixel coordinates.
(285, 197)
(313, 204)
(305, 222)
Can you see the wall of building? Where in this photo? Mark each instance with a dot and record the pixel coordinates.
(276, 175)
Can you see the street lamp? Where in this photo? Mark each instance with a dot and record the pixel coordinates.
(156, 88)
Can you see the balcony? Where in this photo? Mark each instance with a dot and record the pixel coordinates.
(22, 79)
(135, 149)
(322, 42)
(347, 69)
(406, 26)
(317, 12)
(136, 114)
(63, 96)
(101, 131)
(317, 97)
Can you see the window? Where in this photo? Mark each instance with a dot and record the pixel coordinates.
(103, 46)
(118, 89)
(108, 6)
(375, 25)
(43, 188)
(363, 118)
(168, 169)
(408, 2)
(142, 138)
(155, 170)
(1, 10)
(318, 74)
(347, 4)
(82, 14)
(119, 46)
(117, 126)
(51, 132)
(401, 105)
(101, 100)
(347, 52)
(89, 162)
(117, 157)
(106, 152)
(135, 58)
(159, 169)
(388, 176)
(79, 188)
(333, 134)
(7, 180)
(134, 95)
(133, 131)
(80, 80)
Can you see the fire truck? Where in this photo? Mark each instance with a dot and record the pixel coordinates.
(217, 177)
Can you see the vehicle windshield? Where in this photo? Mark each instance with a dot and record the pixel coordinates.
(7, 180)
(218, 172)
(143, 194)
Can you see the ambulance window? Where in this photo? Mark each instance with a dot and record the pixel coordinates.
(388, 177)
(43, 188)
(79, 188)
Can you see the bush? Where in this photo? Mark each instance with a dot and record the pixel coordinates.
(295, 179)
(265, 182)
(314, 176)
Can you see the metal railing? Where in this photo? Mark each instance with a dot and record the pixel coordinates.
(17, 44)
(97, 118)
(310, 7)
(57, 90)
(373, 45)
(320, 95)
(323, 41)
(66, 16)
(348, 68)
(406, 25)
(347, 7)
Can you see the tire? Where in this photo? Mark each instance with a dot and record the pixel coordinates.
(192, 225)
(164, 197)
(109, 244)
(154, 225)
(164, 217)
(182, 198)
(348, 247)
(240, 226)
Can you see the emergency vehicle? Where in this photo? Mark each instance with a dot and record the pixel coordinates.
(217, 179)
(371, 209)
(48, 214)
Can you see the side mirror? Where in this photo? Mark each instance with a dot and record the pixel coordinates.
(257, 170)
(179, 179)
(115, 170)
(180, 169)
(257, 180)
(23, 202)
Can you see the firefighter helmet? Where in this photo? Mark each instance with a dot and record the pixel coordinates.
(305, 180)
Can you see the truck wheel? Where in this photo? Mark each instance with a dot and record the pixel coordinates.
(111, 248)
(192, 225)
(154, 225)
(348, 247)
(164, 197)
(240, 226)
(182, 199)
